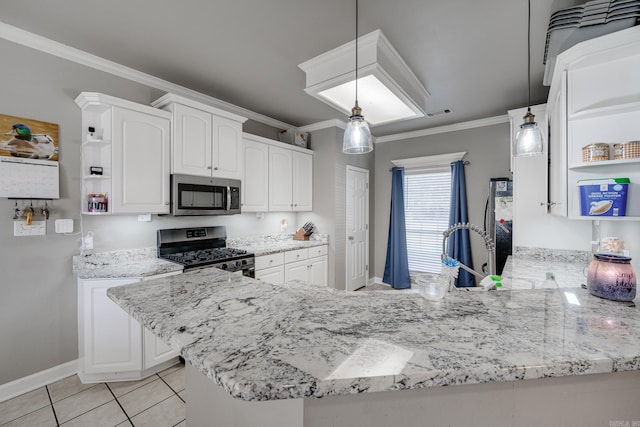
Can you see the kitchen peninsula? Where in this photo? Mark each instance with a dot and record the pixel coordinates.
(277, 348)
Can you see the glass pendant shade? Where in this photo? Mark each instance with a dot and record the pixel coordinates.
(357, 136)
(529, 138)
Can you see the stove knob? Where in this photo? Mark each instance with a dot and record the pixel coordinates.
(244, 262)
(237, 263)
(224, 266)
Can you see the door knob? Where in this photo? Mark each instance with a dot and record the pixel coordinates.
(350, 237)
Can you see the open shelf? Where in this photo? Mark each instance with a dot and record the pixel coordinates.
(604, 164)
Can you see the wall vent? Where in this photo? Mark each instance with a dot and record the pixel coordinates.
(439, 113)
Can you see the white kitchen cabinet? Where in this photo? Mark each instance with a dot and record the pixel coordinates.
(306, 264)
(112, 345)
(596, 82)
(277, 177)
(273, 275)
(131, 144)
(290, 180)
(255, 188)
(557, 113)
(206, 141)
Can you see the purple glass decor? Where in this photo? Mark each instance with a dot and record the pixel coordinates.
(611, 277)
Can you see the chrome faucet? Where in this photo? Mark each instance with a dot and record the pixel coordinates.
(487, 242)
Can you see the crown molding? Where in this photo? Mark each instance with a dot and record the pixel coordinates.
(333, 123)
(43, 44)
(444, 129)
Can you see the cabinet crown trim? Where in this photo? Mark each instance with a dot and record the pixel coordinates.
(275, 143)
(101, 101)
(173, 98)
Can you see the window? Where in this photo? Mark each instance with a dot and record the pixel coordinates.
(427, 197)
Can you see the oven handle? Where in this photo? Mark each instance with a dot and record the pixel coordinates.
(228, 198)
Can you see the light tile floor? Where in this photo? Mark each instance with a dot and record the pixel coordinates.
(156, 401)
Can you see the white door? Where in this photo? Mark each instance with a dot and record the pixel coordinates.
(141, 162)
(156, 351)
(273, 275)
(255, 188)
(227, 148)
(297, 271)
(357, 250)
(280, 178)
(318, 270)
(112, 339)
(191, 141)
(302, 186)
(558, 153)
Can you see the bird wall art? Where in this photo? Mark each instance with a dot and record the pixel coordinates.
(27, 138)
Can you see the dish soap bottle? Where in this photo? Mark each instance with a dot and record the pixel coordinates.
(549, 282)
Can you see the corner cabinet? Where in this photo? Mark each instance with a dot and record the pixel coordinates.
(206, 141)
(595, 98)
(112, 345)
(128, 145)
(277, 177)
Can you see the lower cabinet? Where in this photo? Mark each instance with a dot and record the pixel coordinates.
(308, 265)
(112, 345)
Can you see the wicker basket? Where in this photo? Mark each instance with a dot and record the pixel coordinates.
(597, 152)
(626, 150)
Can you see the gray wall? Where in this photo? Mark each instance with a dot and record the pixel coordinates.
(38, 326)
(329, 197)
(488, 153)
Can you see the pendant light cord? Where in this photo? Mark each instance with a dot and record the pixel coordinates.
(357, 51)
(528, 58)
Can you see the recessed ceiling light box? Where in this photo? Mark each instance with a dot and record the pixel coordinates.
(388, 89)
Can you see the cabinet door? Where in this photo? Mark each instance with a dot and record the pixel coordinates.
(255, 188)
(227, 148)
(296, 271)
(111, 340)
(191, 153)
(280, 176)
(318, 271)
(156, 351)
(273, 275)
(302, 185)
(558, 152)
(140, 162)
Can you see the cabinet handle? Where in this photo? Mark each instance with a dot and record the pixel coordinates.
(295, 204)
(209, 167)
(166, 203)
(215, 169)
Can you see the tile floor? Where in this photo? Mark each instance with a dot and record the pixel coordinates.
(156, 401)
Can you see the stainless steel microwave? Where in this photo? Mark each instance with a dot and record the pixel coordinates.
(201, 195)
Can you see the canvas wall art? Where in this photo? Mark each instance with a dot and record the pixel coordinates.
(26, 138)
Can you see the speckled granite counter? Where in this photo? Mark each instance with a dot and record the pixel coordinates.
(264, 342)
(271, 244)
(526, 268)
(124, 263)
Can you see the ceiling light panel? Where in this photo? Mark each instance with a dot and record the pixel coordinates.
(388, 91)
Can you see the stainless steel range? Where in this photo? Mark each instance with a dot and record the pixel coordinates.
(201, 247)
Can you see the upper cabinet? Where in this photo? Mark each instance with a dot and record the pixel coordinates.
(277, 177)
(125, 156)
(595, 99)
(206, 141)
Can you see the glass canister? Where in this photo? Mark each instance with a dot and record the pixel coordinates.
(611, 277)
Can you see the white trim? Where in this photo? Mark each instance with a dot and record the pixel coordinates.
(378, 281)
(37, 380)
(273, 142)
(444, 129)
(43, 44)
(333, 123)
(440, 160)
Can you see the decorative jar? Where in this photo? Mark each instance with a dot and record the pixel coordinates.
(611, 277)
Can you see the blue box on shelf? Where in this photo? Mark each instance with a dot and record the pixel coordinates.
(603, 197)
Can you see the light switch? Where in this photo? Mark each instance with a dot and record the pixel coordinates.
(64, 226)
(37, 228)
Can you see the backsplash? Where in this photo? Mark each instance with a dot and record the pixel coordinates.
(556, 255)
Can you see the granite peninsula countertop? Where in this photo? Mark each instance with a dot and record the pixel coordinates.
(263, 342)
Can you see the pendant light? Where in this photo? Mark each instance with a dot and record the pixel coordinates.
(357, 136)
(529, 137)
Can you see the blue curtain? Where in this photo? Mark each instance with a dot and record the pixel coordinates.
(459, 244)
(396, 268)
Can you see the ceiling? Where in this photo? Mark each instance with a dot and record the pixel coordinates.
(470, 55)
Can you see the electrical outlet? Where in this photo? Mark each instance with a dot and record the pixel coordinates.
(87, 242)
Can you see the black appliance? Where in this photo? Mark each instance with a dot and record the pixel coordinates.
(201, 195)
(201, 247)
(499, 219)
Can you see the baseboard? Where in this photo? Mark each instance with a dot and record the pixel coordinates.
(376, 280)
(37, 380)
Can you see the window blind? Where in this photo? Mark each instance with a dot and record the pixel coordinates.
(427, 197)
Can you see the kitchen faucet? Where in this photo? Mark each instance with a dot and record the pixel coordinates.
(487, 241)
